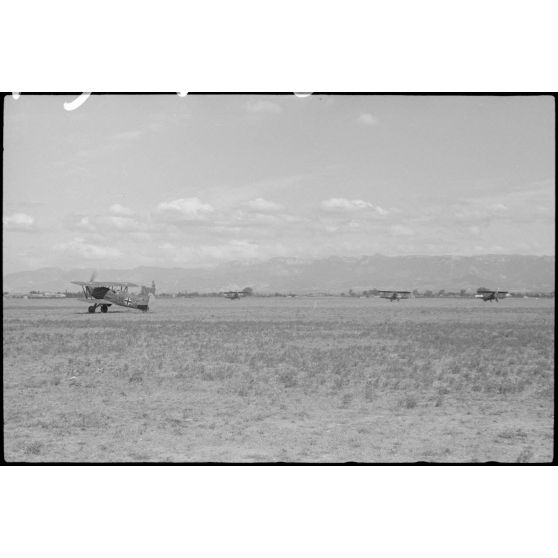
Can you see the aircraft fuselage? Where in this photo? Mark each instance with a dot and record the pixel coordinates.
(106, 295)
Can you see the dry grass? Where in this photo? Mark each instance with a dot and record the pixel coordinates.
(280, 380)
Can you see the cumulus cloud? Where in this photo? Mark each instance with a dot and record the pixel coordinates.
(263, 206)
(184, 209)
(18, 222)
(367, 119)
(118, 209)
(262, 105)
(103, 223)
(343, 204)
(122, 223)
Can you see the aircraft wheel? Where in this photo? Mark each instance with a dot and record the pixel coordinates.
(104, 308)
(91, 309)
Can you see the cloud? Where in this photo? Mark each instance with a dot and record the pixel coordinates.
(528, 205)
(498, 208)
(518, 208)
(184, 209)
(80, 248)
(105, 223)
(261, 105)
(121, 223)
(231, 250)
(18, 222)
(343, 204)
(367, 119)
(263, 206)
(85, 224)
(118, 209)
(402, 230)
(110, 145)
(184, 254)
(257, 219)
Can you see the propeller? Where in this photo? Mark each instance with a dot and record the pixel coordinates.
(151, 294)
(88, 288)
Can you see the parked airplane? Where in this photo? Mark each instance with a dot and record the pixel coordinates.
(106, 293)
(234, 295)
(394, 295)
(490, 296)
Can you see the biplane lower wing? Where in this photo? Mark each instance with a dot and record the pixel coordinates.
(97, 301)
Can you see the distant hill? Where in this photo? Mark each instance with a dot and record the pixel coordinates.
(333, 274)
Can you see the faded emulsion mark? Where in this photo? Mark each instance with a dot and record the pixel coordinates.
(76, 103)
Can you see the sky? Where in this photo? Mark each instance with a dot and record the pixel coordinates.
(170, 181)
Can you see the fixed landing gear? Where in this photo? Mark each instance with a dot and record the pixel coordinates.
(92, 308)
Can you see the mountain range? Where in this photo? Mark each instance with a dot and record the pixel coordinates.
(332, 274)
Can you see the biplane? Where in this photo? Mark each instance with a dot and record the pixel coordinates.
(394, 295)
(234, 295)
(491, 296)
(105, 293)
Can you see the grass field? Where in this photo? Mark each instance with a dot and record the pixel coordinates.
(296, 380)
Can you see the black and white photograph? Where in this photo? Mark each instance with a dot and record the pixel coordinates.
(278, 278)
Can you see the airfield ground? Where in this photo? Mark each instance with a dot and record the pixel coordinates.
(265, 380)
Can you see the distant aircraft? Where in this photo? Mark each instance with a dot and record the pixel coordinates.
(394, 295)
(40, 294)
(235, 295)
(106, 293)
(487, 295)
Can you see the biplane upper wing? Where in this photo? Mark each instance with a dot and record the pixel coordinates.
(104, 284)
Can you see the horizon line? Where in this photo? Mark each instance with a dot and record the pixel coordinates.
(262, 260)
